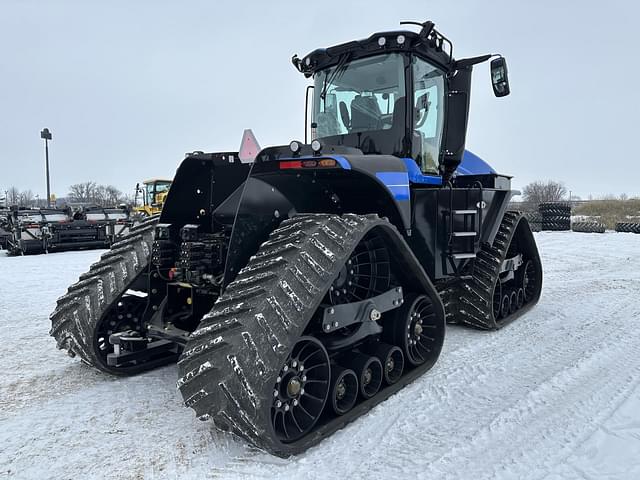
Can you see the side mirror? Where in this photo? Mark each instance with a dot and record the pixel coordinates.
(500, 77)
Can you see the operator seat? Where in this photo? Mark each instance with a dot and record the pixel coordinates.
(365, 114)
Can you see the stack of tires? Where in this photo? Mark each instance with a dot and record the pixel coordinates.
(535, 220)
(556, 216)
(629, 227)
(588, 227)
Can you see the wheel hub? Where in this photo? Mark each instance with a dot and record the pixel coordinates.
(293, 387)
(417, 329)
(391, 364)
(341, 390)
(367, 376)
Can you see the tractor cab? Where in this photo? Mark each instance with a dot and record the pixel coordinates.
(155, 190)
(396, 93)
(154, 193)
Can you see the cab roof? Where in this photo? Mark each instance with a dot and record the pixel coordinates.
(156, 180)
(428, 43)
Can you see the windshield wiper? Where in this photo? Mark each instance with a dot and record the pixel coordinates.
(340, 68)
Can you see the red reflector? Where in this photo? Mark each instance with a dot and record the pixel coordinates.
(290, 164)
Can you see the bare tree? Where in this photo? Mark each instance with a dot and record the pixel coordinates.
(13, 195)
(82, 192)
(113, 196)
(91, 192)
(26, 198)
(538, 192)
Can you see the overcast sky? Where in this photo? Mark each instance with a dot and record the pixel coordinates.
(127, 87)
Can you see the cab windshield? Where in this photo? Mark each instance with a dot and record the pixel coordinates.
(361, 96)
(363, 104)
(154, 189)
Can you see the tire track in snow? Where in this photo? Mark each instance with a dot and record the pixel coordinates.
(565, 340)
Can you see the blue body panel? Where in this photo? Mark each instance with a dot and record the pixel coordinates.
(397, 183)
(416, 175)
(473, 165)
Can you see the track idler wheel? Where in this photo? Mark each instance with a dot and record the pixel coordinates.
(369, 372)
(415, 329)
(392, 360)
(301, 390)
(344, 389)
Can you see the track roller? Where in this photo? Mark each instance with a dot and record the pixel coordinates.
(392, 360)
(520, 297)
(497, 299)
(528, 280)
(369, 372)
(513, 302)
(344, 389)
(505, 307)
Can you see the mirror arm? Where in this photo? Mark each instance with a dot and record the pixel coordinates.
(468, 62)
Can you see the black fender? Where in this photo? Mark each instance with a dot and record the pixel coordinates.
(202, 182)
(374, 184)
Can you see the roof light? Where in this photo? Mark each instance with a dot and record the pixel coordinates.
(295, 147)
(316, 146)
(382, 41)
(400, 39)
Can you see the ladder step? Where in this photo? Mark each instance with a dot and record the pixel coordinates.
(462, 256)
(464, 234)
(464, 212)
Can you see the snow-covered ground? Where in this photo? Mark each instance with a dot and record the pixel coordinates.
(553, 396)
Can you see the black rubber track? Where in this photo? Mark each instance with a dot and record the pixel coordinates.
(470, 302)
(79, 311)
(229, 366)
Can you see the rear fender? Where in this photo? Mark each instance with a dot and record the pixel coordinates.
(269, 196)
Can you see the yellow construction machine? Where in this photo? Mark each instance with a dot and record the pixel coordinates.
(154, 192)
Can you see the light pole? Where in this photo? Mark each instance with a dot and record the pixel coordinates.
(46, 135)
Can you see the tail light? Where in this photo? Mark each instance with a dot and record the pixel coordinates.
(296, 164)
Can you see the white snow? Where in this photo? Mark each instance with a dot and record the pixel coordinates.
(554, 395)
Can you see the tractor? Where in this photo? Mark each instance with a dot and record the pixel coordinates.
(298, 291)
(154, 194)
